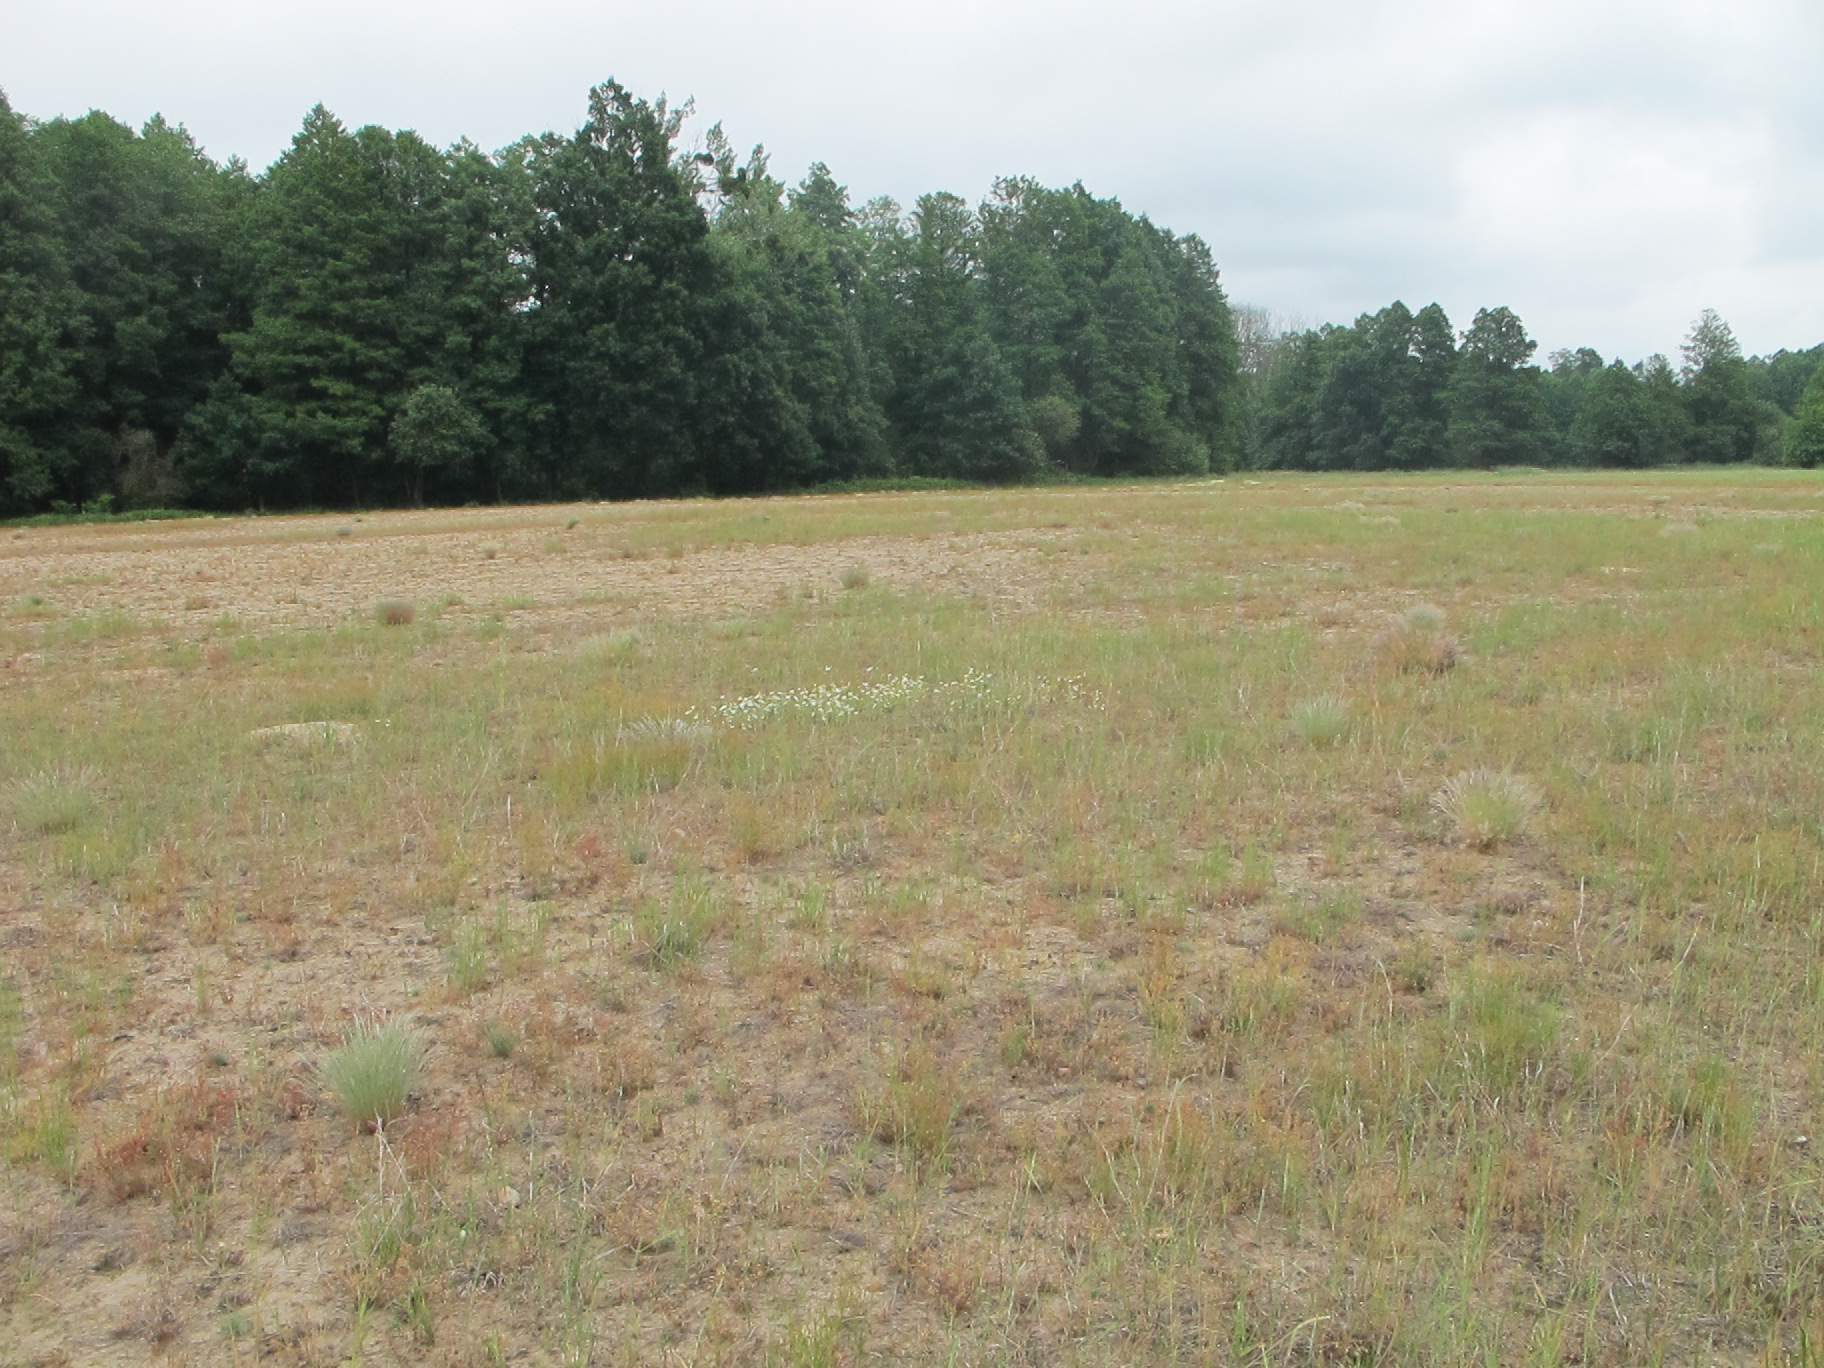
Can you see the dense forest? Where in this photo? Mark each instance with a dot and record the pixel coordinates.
(611, 313)
(1399, 390)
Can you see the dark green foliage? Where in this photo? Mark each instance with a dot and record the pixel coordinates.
(1496, 416)
(41, 328)
(1611, 427)
(1805, 435)
(1117, 333)
(376, 320)
(436, 436)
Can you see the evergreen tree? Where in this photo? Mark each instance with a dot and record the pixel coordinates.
(1725, 421)
(41, 330)
(621, 270)
(1418, 416)
(1496, 417)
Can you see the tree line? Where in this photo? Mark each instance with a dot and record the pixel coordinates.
(597, 314)
(612, 313)
(1399, 390)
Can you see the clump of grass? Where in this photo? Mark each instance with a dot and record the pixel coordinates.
(489, 551)
(663, 731)
(1505, 1032)
(672, 934)
(41, 1133)
(394, 613)
(55, 800)
(468, 956)
(1419, 644)
(1486, 807)
(1322, 722)
(501, 1039)
(373, 1071)
(856, 576)
(914, 1106)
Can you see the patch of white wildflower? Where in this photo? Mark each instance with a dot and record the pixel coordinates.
(835, 702)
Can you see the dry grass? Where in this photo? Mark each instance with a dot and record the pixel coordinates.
(1052, 954)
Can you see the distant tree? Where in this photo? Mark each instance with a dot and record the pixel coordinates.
(787, 395)
(1565, 388)
(1286, 427)
(954, 403)
(1667, 436)
(1805, 435)
(1725, 421)
(1780, 379)
(435, 435)
(1419, 418)
(41, 329)
(1496, 414)
(621, 270)
(1611, 427)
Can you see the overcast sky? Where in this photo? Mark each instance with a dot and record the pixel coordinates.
(1607, 168)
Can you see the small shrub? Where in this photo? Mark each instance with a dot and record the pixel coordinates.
(55, 800)
(1487, 808)
(394, 613)
(374, 1070)
(856, 577)
(1322, 722)
(501, 1040)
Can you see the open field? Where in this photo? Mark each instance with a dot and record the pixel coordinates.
(1271, 921)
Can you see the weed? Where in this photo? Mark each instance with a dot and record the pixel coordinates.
(468, 958)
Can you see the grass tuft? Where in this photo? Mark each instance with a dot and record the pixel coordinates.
(1419, 644)
(1322, 722)
(1487, 808)
(372, 1073)
(55, 800)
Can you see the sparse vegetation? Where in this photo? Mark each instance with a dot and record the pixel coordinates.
(1060, 958)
